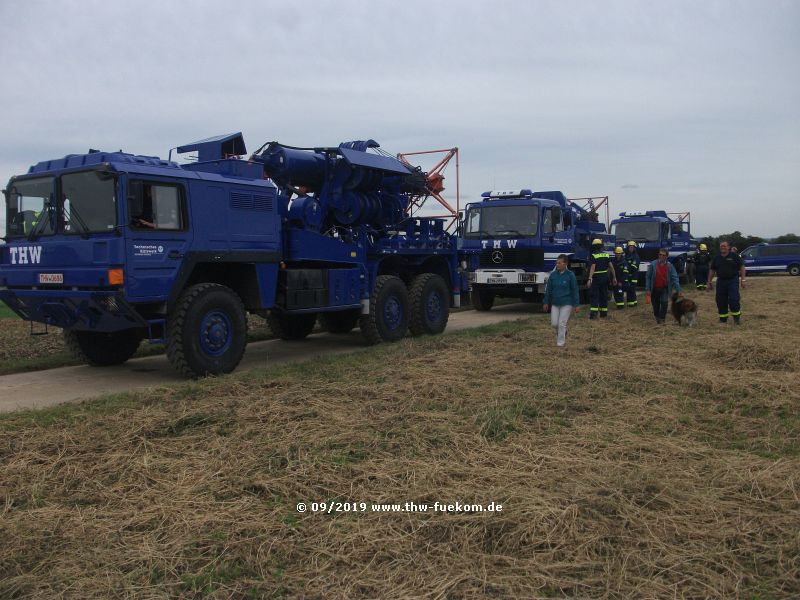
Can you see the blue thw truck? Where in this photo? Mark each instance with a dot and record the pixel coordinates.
(653, 230)
(116, 248)
(512, 238)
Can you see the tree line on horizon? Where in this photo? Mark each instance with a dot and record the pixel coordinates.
(740, 241)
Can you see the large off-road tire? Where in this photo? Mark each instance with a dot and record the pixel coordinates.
(340, 321)
(429, 299)
(103, 349)
(482, 298)
(291, 327)
(387, 320)
(207, 331)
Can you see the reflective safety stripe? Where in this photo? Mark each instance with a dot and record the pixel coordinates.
(603, 309)
(620, 304)
(600, 272)
(725, 316)
(634, 303)
(594, 309)
(738, 313)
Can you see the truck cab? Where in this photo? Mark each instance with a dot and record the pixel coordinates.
(105, 245)
(655, 229)
(513, 238)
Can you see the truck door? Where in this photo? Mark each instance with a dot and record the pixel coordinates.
(157, 235)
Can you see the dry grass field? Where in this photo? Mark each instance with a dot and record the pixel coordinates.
(638, 462)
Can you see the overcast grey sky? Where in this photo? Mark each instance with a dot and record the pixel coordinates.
(674, 105)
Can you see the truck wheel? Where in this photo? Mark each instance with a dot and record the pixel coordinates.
(340, 321)
(430, 304)
(103, 349)
(291, 327)
(387, 320)
(482, 299)
(794, 270)
(207, 331)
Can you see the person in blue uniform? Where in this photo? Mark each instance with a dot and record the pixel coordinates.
(601, 272)
(621, 269)
(632, 256)
(728, 268)
(702, 260)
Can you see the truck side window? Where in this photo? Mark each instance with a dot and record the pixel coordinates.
(551, 221)
(156, 206)
(547, 221)
(558, 224)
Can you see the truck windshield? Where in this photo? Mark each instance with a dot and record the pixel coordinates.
(643, 231)
(502, 221)
(30, 207)
(90, 202)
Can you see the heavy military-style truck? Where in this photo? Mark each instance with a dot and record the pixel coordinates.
(116, 248)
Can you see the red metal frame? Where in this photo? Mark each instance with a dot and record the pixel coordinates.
(435, 184)
(591, 205)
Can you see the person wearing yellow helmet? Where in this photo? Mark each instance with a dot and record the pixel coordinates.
(702, 260)
(599, 268)
(621, 269)
(632, 280)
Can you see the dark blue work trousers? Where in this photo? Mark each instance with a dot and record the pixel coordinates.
(631, 289)
(729, 302)
(700, 276)
(598, 296)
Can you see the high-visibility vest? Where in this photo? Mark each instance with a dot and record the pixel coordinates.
(34, 221)
(601, 261)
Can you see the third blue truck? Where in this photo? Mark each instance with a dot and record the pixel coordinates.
(653, 230)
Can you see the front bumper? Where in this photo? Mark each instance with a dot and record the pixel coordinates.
(74, 309)
(508, 277)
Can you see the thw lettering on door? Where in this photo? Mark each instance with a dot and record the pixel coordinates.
(24, 255)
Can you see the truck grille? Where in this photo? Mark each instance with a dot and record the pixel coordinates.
(512, 257)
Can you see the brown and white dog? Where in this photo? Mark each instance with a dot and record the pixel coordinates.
(683, 308)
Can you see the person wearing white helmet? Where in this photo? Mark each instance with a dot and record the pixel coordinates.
(702, 260)
(599, 269)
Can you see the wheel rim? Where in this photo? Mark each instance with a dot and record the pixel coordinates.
(433, 307)
(392, 313)
(216, 333)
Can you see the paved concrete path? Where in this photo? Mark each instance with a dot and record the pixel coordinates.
(67, 384)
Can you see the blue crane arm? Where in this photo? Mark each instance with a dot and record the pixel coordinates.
(344, 185)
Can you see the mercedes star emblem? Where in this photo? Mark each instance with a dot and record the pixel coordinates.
(497, 256)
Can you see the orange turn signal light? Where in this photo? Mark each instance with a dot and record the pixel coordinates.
(116, 277)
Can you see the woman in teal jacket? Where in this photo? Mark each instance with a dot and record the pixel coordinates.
(560, 295)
